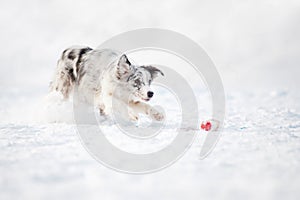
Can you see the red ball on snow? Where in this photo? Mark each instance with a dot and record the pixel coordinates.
(206, 126)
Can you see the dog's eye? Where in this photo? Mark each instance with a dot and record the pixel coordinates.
(137, 86)
(137, 82)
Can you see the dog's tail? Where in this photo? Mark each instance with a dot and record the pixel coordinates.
(68, 68)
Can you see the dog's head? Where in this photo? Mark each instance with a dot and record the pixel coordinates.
(137, 79)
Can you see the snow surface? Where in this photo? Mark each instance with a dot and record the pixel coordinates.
(255, 46)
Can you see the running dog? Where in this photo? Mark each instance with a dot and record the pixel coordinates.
(97, 73)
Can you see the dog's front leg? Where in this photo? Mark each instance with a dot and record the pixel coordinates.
(109, 106)
(140, 107)
(125, 111)
(103, 103)
(122, 109)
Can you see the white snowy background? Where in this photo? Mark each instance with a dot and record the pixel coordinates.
(255, 46)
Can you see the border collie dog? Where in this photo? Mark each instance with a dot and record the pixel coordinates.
(97, 73)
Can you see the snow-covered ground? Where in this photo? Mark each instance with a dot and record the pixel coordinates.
(255, 46)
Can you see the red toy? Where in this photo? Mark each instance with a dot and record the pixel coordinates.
(206, 125)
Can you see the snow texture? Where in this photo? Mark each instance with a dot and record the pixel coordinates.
(255, 45)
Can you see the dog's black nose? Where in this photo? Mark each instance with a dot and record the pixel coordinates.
(150, 94)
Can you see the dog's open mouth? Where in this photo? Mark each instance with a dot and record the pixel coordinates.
(146, 99)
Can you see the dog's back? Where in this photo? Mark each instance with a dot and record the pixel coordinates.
(68, 69)
(83, 66)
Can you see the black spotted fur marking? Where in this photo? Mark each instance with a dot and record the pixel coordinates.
(71, 74)
(64, 53)
(72, 55)
(79, 68)
(81, 53)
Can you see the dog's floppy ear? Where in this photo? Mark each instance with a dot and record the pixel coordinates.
(123, 67)
(153, 71)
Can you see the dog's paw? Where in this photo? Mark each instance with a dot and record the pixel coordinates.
(155, 114)
(133, 117)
